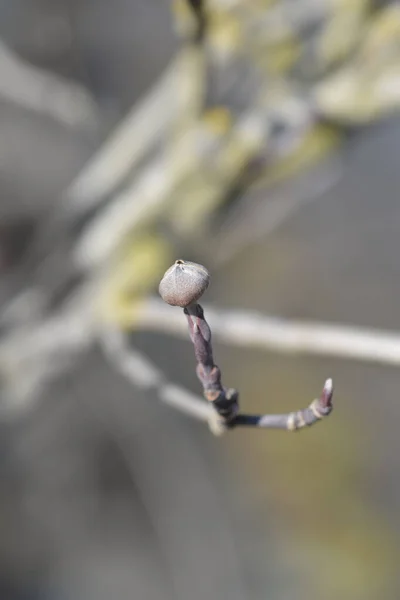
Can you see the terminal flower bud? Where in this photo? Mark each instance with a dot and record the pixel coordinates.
(184, 283)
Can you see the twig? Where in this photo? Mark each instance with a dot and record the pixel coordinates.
(248, 329)
(318, 409)
(176, 287)
(143, 373)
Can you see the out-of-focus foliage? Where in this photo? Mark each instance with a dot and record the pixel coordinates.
(269, 89)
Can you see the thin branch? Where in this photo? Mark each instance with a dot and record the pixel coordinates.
(248, 329)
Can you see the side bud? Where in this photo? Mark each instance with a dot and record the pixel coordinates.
(184, 283)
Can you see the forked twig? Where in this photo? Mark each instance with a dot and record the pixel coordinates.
(182, 285)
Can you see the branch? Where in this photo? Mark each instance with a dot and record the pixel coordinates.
(140, 371)
(182, 285)
(247, 329)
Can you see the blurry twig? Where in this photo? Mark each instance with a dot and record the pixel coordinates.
(41, 91)
(128, 143)
(254, 330)
(140, 371)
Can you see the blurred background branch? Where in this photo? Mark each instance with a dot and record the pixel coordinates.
(254, 330)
